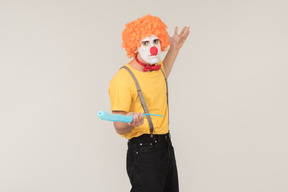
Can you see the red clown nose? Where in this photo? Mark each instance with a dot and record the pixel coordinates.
(153, 51)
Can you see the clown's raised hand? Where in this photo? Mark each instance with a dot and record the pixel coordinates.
(177, 40)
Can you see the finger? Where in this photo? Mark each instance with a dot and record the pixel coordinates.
(134, 124)
(182, 32)
(138, 124)
(137, 119)
(131, 124)
(186, 35)
(130, 114)
(187, 30)
(175, 31)
(134, 120)
(141, 119)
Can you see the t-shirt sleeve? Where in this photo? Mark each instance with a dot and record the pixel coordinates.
(120, 94)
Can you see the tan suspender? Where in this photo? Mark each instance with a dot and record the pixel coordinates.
(166, 93)
(142, 100)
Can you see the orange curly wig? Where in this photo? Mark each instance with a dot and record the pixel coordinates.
(144, 27)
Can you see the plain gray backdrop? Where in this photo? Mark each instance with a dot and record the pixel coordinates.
(228, 94)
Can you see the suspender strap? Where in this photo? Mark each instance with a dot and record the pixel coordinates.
(142, 100)
(166, 93)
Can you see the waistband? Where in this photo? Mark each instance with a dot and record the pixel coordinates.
(147, 137)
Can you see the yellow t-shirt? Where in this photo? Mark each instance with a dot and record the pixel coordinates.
(124, 97)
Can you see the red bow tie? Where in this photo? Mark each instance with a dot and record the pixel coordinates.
(148, 67)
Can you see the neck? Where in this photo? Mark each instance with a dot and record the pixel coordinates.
(139, 58)
(136, 65)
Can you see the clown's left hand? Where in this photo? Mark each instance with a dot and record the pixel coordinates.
(176, 40)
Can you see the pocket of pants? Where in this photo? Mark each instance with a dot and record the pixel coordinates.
(146, 148)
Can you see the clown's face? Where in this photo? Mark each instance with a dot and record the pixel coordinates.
(150, 49)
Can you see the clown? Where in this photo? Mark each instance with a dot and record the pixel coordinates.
(140, 86)
(150, 49)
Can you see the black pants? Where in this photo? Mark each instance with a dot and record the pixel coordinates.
(151, 164)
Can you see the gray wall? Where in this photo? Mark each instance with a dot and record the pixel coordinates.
(228, 94)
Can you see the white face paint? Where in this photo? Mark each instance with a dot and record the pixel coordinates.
(150, 49)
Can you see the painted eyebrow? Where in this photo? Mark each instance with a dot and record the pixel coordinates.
(156, 39)
(144, 41)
